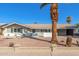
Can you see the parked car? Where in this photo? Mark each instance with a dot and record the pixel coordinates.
(27, 34)
(34, 34)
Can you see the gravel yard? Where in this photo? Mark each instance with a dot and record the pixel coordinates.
(34, 42)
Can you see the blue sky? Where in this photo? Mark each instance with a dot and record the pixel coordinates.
(28, 13)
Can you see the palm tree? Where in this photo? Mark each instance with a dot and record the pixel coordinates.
(54, 18)
(68, 19)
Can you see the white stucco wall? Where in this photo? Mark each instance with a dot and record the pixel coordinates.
(76, 31)
(12, 35)
(8, 34)
(48, 34)
(44, 34)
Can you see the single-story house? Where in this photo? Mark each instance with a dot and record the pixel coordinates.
(45, 30)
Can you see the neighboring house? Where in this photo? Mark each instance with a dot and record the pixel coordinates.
(44, 30)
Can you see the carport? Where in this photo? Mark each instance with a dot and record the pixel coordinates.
(69, 32)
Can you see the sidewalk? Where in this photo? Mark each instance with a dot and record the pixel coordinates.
(39, 51)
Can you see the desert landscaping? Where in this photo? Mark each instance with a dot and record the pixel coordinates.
(37, 47)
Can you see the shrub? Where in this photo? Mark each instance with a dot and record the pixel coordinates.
(11, 44)
(69, 41)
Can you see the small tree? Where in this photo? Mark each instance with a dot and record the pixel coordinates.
(11, 44)
(68, 19)
(77, 25)
(69, 41)
(69, 38)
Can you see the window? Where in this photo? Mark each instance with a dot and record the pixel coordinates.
(45, 30)
(15, 30)
(37, 30)
(48, 30)
(60, 30)
(33, 30)
(78, 30)
(19, 30)
(11, 30)
(41, 30)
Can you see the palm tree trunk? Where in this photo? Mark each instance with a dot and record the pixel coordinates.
(54, 17)
(54, 32)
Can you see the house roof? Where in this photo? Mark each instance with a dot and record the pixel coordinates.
(7, 25)
(38, 26)
(41, 26)
(65, 26)
(49, 26)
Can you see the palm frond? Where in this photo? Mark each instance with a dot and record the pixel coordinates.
(43, 4)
